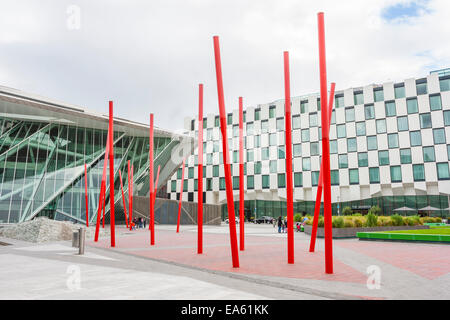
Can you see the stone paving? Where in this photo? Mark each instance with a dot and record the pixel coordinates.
(173, 270)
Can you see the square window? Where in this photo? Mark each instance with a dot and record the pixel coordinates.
(393, 140)
(405, 156)
(191, 173)
(425, 120)
(296, 123)
(428, 154)
(281, 153)
(250, 182)
(236, 130)
(351, 145)
(343, 161)
(383, 158)
(272, 139)
(353, 176)
(396, 174)
(257, 142)
(334, 177)
(358, 98)
(313, 119)
(209, 184)
(447, 118)
(314, 148)
(443, 171)
(381, 126)
(412, 105)
(374, 175)
(273, 166)
(421, 87)
(281, 180)
(230, 118)
(349, 114)
(435, 102)
(378, 94)
(305, 135)
(306, 164)
(215, 171)
(341, 131)
(257, 114)
(369, 111)
(339, 101)
(264, 126)
(390, 109)
(372, 143)
(265, 182)
(173, 186)
(298, 179)
(280, 124)
(297, 150)
(333, 147)
(304, 106)
(444, 84)
(416, 138)
(315, 178)
(402, 123)
(272, 112)
(399, 90)
(439, 136)
(360, 129)
(250, 128)
(265, 153)
(216, 121)
(448, 152)
(363, 160)
(250, 157)
(257, 167)
(419, 172)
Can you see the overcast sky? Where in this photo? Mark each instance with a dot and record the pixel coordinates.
(149, 56)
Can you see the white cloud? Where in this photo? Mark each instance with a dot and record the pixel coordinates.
(150, 56)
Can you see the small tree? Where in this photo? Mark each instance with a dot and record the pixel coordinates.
(347, 211)
(376, 210)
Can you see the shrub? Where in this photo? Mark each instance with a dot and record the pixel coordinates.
(309, 222)
(376, 210)
(320, 224)
(297, 217)
(438, 219)
(371, 220)
(413, 221)
(347, 211)
(338, 222)
(397, 220)
(385, 221)
(358, 222)
(348, 223)
(356, 215)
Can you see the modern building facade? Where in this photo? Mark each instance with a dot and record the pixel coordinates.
(389, 144)
(44, 145)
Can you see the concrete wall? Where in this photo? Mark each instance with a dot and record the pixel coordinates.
(166, 211)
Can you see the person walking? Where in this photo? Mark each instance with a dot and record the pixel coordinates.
(145, 222)
(279, 224)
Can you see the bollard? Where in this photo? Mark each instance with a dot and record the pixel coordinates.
(81, 238)
(75, 239)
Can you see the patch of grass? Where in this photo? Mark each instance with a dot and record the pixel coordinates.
(438, 230)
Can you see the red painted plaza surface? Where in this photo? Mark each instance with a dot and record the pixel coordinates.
(264, 255)
(429, 261)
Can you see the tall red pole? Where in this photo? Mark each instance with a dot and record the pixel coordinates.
(226, 156)
(325, 148)
(129, 196)
(102, 188)
(86, 195)
(312, 243)
(289, 188)
(152, 213)
(200, 172)
(241, 175)
(132, 186)
(103, 204)
(181, 197)
(156, 186)
(123, 198)
(111, 177)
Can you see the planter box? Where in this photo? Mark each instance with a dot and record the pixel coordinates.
(342, 233)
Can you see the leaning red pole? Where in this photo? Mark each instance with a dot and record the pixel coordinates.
(325, 148)
(129, 196)
(181, 196)
(102, 188)
(156, 186)
(132, 187)
(312, 243)
(152, 213)
(289, 187)
(241, 175)
(86, 195)
(123, 198)
(200, 172)
(226, 156)
(111, 176)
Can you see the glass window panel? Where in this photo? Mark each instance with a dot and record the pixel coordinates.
(412, 105)
(353, 176)
(296, 122)
(222, 185)
(272, 139)
(372, 143)
(383, 158)
(390, 109)
(444, 84)
(428, 154)
(349, 114)
(280, 124)
(215, 171)
(273, 166)
(402, 123)
(333, 147)
(351, 145)
(304, 106)
(381, 126)
(272, 112)
(339, 101)
(265, 182)
(314, 148)
(378, 95)
(281, 153)
(374, 175)
(419, 172)
(257, 114)
(341, 131)
(399, 91)
(250, 128)
(265, 153)
(439, 136)
(257, 142)
(363, 160)
(360, 128)
(257, 168)
(250, 157)
(343, 161)
(281, 180)
(305, 135)
(358, 98)
(393, 140)
(298, 179)
(425, 120)
(421, 87)
(443, 171)
(264, 126)
(435, 102)
(297, 149)
(191, 173)
(313, 119)
(416, 138)
(334, 177)
(306, 164)
(447, 118)
(250, 182)
(405, 156)
(396, 174)
(369, 111)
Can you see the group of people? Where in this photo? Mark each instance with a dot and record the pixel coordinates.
(138, 223)
(282, 224)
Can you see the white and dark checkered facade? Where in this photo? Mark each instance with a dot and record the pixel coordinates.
(385, 140)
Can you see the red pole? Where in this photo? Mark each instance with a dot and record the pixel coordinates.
(289, 188)
(152, 221)
(226, 156)
(312, 243)
(86, 195)
(103, 204)
(156, 186)
(132, 186)
(111, 176)
(325, 149)
(181, 197)
(200, 172)
(102, 188)
(241, 175)
(123, 198)
(129, 195)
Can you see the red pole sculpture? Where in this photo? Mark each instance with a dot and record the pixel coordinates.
(123, 198)
(200, 172)
(156, 186)
(226, 156)
(181, 197)
(102, 188)
(241, 175)
(152, 220)
(312, 243)
(86, 195)
(289, 188)
(129, 196)
(111, 176)
(103, 204)
(325, 148)
(132, 186)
